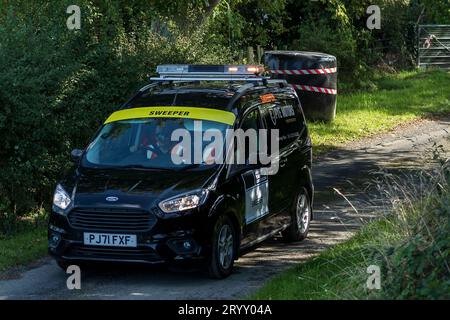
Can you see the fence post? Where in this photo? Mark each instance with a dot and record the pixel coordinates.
(258, 53)
(250, 55)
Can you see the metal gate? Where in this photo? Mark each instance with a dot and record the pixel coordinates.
(434, 46)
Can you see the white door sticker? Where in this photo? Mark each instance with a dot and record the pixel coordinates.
(256, 195)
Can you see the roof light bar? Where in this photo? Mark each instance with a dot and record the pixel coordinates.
(213, 71)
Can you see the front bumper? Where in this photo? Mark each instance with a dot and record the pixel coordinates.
(164, 242)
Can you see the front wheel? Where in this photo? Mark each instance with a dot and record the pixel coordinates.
(221, 261)
(301, 218)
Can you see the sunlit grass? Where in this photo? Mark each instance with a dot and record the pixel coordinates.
(398, 99)
(328, 275)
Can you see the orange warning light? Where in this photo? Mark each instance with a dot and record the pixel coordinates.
(266, 98)
(254, 69)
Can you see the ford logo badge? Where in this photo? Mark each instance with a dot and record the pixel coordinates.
(112, 199)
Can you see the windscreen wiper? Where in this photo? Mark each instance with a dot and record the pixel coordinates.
(140, 167)
(189, 166)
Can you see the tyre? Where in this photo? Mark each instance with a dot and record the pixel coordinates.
(301, 218)
(221, 260)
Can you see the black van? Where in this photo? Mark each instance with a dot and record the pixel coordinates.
(127, 200)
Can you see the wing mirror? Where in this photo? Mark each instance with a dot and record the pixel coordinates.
(76, 154)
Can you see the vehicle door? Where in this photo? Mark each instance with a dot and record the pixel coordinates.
(278, 116)
(255, 185)
(276, 186)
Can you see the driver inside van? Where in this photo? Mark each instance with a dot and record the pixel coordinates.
(158, 143)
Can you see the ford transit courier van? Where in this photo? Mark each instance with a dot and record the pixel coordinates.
(157, 183)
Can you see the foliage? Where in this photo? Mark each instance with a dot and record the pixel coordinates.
(240, 23)
(333, 35)
(418, 267)
(57, 85)
(338, 27)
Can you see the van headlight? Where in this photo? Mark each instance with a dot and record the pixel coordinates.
(184, 202)
(61, 199)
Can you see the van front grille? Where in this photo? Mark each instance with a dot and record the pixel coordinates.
(112, 219)
(135, 254)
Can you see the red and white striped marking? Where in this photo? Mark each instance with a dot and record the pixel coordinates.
(305, 71)
(314, 89)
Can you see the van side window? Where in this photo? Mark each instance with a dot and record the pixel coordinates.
(283, 115)
(298, 109)
(251, 122)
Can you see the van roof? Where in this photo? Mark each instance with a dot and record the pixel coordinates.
(206, 94)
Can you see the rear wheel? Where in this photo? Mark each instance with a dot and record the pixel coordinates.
(221, 261)
(301, 218)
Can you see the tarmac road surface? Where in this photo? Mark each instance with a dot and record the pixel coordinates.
(347, 170)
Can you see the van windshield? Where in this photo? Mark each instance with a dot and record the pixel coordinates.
(157, 143)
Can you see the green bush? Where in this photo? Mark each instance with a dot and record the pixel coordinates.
(57, 86)
(419, 267)
(338, 27)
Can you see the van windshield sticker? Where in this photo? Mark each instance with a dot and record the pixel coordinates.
(173, 112)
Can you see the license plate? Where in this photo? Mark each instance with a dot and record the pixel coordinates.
(110, 239)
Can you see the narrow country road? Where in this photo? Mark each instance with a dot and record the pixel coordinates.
(347, 170)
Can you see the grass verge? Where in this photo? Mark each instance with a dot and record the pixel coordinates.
(411, 246)
(23, 247)
(25, 241)
(398, 98)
